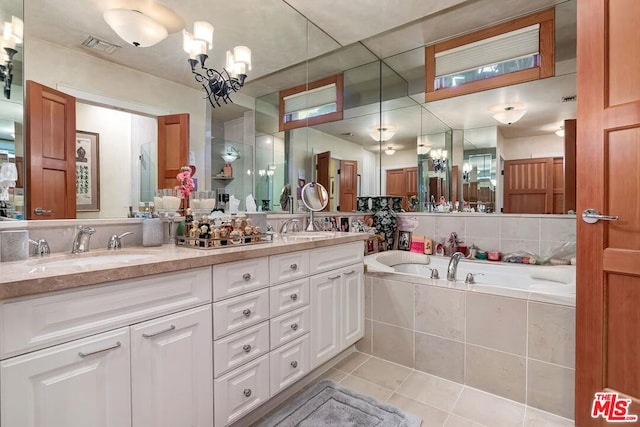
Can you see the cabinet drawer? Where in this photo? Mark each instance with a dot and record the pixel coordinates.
(289, 296)
(291, 266)
(232, 351)
(240, 312)
(37, 322)
(241, 391)
(332, 257)
(236, 278)
(289, 326)
(288, 364)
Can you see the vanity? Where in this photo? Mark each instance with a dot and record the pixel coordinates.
(173, 336)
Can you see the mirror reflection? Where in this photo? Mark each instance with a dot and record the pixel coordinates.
(389, 141)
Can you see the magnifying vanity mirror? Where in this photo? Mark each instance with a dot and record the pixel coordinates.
(315, 198)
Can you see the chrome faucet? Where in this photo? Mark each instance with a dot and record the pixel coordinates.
(81, 239)
(453, 266)
(41, 247)
(115, 242)
(293, 223)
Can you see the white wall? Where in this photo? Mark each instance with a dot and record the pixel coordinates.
(532, 147)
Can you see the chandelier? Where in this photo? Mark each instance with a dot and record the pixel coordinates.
(218, 85)
(12, 34)
(439, 160)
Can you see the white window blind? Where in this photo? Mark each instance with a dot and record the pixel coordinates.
(504, 47)
(310, 99)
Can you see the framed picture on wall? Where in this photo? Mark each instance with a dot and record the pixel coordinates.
(87, 172)
(404, 240)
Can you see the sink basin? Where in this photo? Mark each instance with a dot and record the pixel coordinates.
(89, 260)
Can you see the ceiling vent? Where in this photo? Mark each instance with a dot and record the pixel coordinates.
(101, 45)
(572, 98)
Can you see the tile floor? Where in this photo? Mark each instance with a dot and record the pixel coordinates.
(440, 403)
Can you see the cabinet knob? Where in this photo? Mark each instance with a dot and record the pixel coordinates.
(246, 348)
(294, 326)
(294, 267)
(246, 277)
(294, 297)
(294, 364)
(246, 312)
(247, 392)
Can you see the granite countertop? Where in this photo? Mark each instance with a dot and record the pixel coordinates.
(61, 271)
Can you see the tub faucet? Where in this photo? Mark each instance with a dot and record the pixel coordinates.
(81, 239)
(453, 266)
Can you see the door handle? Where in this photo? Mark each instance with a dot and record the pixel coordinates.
(39, 211)
(591, 216)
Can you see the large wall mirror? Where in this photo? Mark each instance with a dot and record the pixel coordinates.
(389, 139)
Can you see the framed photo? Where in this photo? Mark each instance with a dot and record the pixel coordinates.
(404, 240)
(87, 172)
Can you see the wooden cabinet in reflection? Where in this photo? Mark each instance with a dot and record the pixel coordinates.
(402, 182)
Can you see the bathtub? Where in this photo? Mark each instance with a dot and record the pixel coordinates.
(518, 280)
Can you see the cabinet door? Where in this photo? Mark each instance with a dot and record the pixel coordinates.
(352, 305)
(171, 372)
(82, 383)
(325, 317)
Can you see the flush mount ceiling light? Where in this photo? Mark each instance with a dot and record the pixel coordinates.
(381, 134)
(423, 149)
(560, 132)
(135, 27)
(389, 151)
(230, 155)
(509, 114)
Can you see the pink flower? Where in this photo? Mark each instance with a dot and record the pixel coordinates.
(186, 185)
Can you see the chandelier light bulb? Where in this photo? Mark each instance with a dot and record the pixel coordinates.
(203, 31)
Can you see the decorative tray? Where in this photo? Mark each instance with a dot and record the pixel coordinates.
(212, 243)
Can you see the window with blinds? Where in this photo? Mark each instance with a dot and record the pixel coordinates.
(513, 52)
(317, 102)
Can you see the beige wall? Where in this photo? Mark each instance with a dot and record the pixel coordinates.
(534, 146)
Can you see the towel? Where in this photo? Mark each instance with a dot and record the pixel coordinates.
(560, 274)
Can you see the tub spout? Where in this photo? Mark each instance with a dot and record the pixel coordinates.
(453, 266)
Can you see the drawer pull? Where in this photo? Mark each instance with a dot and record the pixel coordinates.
(246, 277)
(169, 329)
(246, 348)
(246, 392)
(294, 326)
(113, 347)
(294, 297)
(294, 267)
(294, 364)
(349, 272)
(334, 277)
(246, 312)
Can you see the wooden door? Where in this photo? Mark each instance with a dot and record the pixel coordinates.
(528, 185)
(323, 163)
(171, 370)
(395, 182)
(50, 153)
(348, 185)
(608, 177)
(173, 148)
(78, 384)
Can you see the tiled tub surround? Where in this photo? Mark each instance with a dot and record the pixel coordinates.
(506, 233)
(520, 349)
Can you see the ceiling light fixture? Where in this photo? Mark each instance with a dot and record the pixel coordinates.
(560, 132)
(381, 134)
(230, 155)
(389, 151)
(135, 28)
(12, 34)
(510, 114)
(423, 149)
(217, 84)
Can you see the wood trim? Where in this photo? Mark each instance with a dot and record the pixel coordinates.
(546, 59)
(569, 165)
(621, 261)
(338, 79)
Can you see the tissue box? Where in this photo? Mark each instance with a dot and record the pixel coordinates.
(259, 219)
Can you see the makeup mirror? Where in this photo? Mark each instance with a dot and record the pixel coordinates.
(315, 198)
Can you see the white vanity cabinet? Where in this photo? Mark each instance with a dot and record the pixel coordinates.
(155, 370)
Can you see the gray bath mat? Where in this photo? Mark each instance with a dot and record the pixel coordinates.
(328, 404)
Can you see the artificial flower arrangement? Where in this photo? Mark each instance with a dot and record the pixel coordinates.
(186, 185)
